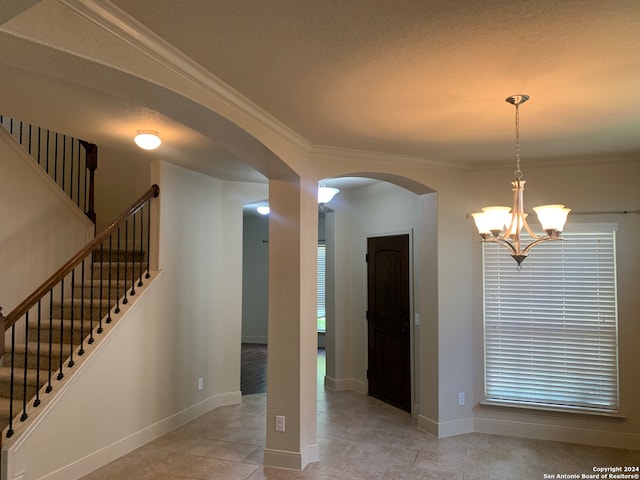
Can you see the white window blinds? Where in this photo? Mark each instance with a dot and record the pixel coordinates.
(322, 251)
(551, 328)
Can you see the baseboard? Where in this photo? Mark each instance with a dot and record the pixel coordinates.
(360, 387)
(258, 340)
(291, 460)
(122, 447)
(558, 433)
(338, 385)
(445, 429)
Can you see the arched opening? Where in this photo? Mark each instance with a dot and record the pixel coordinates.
(374, 205)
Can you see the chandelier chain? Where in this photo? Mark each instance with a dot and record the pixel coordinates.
(518, 172)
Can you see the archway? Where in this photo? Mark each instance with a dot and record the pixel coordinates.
(387, 204)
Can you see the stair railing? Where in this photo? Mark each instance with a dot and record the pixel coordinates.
(52, 326)
(70, 162)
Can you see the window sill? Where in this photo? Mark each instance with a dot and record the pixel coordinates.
(551, 409)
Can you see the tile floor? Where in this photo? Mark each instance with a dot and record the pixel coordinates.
(360, 438)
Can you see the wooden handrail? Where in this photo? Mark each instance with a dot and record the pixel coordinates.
(32, 299)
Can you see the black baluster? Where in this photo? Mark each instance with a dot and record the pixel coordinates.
(64, 159)
(55, 160)
(91, 339)
(49, 386)
(141, 258)
(100, 282)
(71, 171)
(73, 291)
(148, 275)
(60, 374)
(48, 150)
(92, 309)
(109, 279)
(11, 376)
(29, 146)
(80, 169)
(39, 145)
(117, 310)
(36, 402)
(133, 256)
(126, 243)
(82, 278)
(24, 415)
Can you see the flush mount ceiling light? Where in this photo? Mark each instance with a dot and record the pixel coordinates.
(493, 221)
(147, 139)
(325, 194)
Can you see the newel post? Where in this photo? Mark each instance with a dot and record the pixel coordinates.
(92, 165)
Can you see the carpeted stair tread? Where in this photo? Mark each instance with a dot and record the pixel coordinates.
(32, 377)
(32, 347)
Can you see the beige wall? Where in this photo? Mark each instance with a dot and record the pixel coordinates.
(453, 363)
(41, 228)
(585, 187)
(120, 179)
(142, 380)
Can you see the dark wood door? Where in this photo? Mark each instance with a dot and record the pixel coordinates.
(389, 366)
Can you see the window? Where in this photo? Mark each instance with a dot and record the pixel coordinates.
(321, 317)
(551, 329)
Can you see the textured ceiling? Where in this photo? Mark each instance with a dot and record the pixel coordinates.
(426, 79)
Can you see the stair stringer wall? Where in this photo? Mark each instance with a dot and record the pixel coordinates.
(41, 228)
(117, 400)
(141, 380)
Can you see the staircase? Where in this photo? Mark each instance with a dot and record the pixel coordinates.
(52, 344)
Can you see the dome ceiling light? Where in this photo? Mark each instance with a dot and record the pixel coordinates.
(147, 139)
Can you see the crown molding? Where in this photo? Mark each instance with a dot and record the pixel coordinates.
(567, 161)
(119, 24)
(324, 152)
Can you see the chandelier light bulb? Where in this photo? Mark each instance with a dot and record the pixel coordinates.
(147, 139)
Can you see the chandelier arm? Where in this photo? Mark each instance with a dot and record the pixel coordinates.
(538, 241)
(533, 235)
(504, 243)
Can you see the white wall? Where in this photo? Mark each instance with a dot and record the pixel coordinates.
(41, 228)
(142, 381)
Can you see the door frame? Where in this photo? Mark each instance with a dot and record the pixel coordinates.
(412, 323)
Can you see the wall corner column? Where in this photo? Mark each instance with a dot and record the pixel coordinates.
(292, 335)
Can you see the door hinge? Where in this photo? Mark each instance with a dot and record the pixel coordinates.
(367, 373)
(367, 315)
(366, 257)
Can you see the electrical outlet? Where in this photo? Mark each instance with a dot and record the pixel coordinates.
(200, 383)
(279, 423)
(460, 399)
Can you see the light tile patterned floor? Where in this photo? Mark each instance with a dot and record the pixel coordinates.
(360, 438)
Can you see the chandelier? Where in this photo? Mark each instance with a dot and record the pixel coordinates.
(503, 225)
